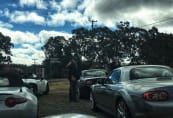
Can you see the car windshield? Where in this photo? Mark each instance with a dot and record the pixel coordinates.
(32, 76)
(150, 72)
(94, 73)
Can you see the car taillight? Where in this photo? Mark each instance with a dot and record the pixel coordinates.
(88, 82)
(11, 102)
(155, 96)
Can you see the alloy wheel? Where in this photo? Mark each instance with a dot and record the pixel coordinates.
(122, 110)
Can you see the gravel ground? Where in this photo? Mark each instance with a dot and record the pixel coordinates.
(56, 102)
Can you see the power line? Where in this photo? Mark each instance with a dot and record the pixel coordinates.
(165, 20)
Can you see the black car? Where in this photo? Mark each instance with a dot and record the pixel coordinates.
(88, 78)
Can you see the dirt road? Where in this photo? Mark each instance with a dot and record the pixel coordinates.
(57, 102)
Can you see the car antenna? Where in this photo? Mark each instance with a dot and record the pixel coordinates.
(20, 89)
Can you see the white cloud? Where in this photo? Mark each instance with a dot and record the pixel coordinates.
(45, 35)
(28, 60)
(22, 17)
(55, 5)
(138, 13)
(19, 37)
(85, 4)
(5, 25)
(40, 4)
(26, 54)
(57, 19)
(22, 59)
(29, 44)
(76, 18)
(67, 4)
(6, 12)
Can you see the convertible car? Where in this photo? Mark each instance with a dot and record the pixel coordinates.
(39, 86)
(143, 91)
(88, 78)
(16, 100)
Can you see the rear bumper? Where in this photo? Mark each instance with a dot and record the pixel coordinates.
(17, 114)
(155, 110)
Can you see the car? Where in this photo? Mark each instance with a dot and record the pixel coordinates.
(141, 91)
(39, 86)
(71, 115)
(88, 78)
(16, 100)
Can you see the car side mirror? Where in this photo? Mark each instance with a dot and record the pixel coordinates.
(100, 81)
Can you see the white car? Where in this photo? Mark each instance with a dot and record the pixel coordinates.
(39, 86)
(16, 100)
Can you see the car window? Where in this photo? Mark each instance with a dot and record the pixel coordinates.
(94, 73)
(150, 72)
(115, 76)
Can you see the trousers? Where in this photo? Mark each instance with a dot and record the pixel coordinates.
(73, 91)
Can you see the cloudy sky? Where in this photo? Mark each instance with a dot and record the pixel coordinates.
(30, 23)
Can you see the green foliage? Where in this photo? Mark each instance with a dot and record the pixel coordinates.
(158, 48)
(5, 52)
(102, 46)
(57, 48)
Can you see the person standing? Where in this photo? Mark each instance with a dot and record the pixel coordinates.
(73, 77)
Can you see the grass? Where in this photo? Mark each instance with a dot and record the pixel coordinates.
(57, 102)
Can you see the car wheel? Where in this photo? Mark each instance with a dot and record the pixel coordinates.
(93, 103)
(122, 110)
(47, 89)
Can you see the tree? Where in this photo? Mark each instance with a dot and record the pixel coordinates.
(130, 40)
(5, 46)
(157, 49)
(57, 53)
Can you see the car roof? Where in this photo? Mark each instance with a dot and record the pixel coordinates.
(138, 66)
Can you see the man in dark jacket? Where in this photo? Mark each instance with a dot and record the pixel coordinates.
(73, 76)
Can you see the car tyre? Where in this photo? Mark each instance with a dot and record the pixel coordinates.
(122, 110)
(93, 103)
(38, 116)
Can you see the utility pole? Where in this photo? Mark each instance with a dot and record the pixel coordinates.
(34, 66)
(34, 61)
(92, 24)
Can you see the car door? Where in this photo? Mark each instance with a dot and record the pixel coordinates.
(98, 91)
(111, 87)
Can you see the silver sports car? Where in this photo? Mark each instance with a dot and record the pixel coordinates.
(144, 91)
(16, 100)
